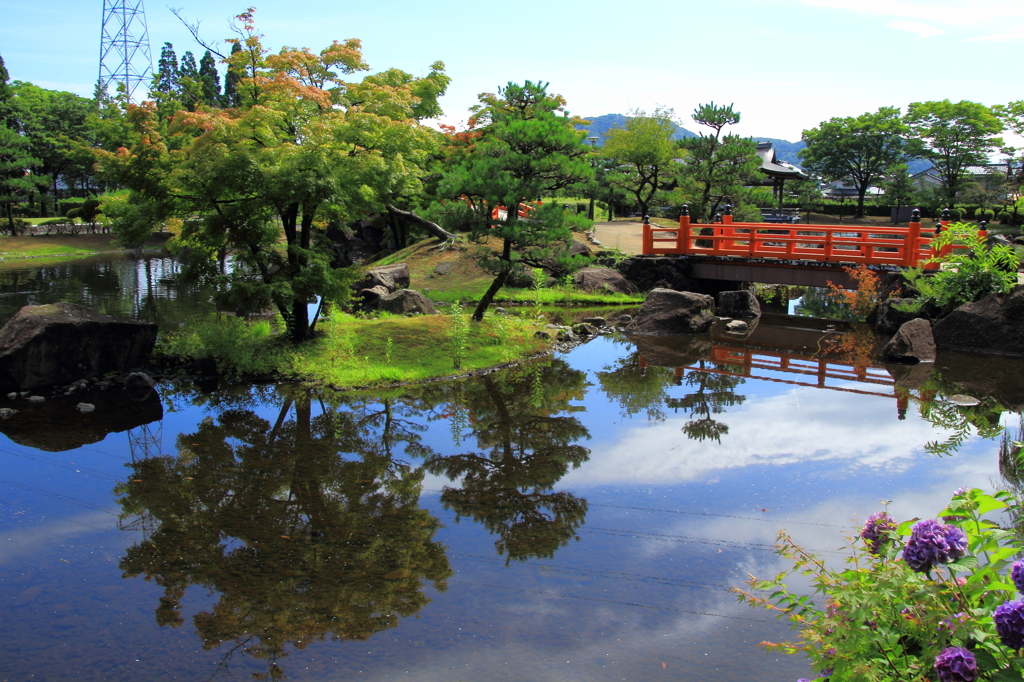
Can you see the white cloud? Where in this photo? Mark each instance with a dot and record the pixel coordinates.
(776, 431)
(921, 29)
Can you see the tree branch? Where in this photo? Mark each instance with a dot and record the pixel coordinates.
(432, 228)
(194, 30)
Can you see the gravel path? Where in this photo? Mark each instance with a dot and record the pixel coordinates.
(625, 236)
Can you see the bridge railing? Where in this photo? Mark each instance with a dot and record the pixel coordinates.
(902, 246)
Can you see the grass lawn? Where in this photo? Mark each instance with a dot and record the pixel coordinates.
(70, 245)
(356, 352)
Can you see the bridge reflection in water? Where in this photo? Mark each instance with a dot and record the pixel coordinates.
(799, 351)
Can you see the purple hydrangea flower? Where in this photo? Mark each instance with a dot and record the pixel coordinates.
(956, 664)
(876, 529)
(932, 543)
(1009, 618)
(1017, 575)
(960, 492)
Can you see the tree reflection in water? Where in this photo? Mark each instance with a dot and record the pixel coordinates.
(306, 528)
(638, 386)
(527, 442)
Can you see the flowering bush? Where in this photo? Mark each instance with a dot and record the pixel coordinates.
(918, 601)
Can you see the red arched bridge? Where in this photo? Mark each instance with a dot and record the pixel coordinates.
(772, 253)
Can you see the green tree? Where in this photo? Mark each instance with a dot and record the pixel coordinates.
(644, 153)
(57, 127)
(165, 80)
(210, 80)
(17, 181)
(859, 150)
(305, 146)
(716, 168)
(527, 145)
(232, 78)
(899, 188)
(954, 137)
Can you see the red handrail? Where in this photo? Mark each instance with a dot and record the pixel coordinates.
(903, 246)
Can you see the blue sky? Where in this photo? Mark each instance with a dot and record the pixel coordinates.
(786, 64)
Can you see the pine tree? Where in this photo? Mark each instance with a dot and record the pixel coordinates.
(231, 81)
(6, 108)
(188, 66)
(166, 79)
(210, 79)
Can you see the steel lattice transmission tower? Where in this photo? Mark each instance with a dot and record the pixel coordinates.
(124, 45)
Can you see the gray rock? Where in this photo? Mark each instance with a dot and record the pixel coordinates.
(594, 321)
(912, 343)
(12, 395)
(85, 407)
(995, 324)
(139, 380)
(741, 304)
(444, 268)
(583, 329)
(36, 399)
(542, 335)
(625, 319)
(964, 400)
(566, 336)
(7, 413)
(737, 326)
(500, 311)
(406, 301)
(602, 279)
(673, 312)
(396, 275)
(55, 344)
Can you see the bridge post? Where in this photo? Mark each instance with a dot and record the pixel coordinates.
(727, 218)
(648, 237)
(910, 246)
(683, 235)
(718, 231)
(945, 219)
(983, 229)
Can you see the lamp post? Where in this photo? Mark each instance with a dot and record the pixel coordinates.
(593, 148)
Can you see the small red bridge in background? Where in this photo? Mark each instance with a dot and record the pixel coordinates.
(807, 255)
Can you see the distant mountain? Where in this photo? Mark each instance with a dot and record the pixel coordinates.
(784, 149)
(600, 124)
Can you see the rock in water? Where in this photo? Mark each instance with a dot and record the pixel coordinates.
(995, 324)
(56, 344)
(742, 304)
(139, 380)
(673, 312)
(913, 342)
(7, 413)
(85, 407)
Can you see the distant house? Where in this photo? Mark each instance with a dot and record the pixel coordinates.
(840, 190)
(776, 172)
(988, 176)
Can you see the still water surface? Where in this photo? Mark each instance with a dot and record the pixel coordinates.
(580, 518)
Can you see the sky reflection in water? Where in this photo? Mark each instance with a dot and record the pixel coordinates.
(567, 535)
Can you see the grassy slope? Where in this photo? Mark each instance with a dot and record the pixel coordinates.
(467, 281)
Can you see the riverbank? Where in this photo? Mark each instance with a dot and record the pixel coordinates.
(69, 245)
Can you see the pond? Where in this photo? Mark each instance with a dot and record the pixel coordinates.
(581, 517)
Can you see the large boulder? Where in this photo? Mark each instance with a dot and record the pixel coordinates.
(58, 343)
(995, 324)
(912, 343)
(602, 279)
(738, 304)
(673, 351)
(673, 312)
(391, 277)
(405, 301)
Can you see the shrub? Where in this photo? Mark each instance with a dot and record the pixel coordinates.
(1004, 217)
(978, 271)
(983, 214)
(945, 608)
(956, 214)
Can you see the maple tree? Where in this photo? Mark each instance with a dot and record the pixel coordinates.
(305, 144)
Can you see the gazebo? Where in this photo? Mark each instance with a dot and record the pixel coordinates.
(776, 172)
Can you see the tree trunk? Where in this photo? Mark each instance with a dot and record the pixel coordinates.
(497, 284)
